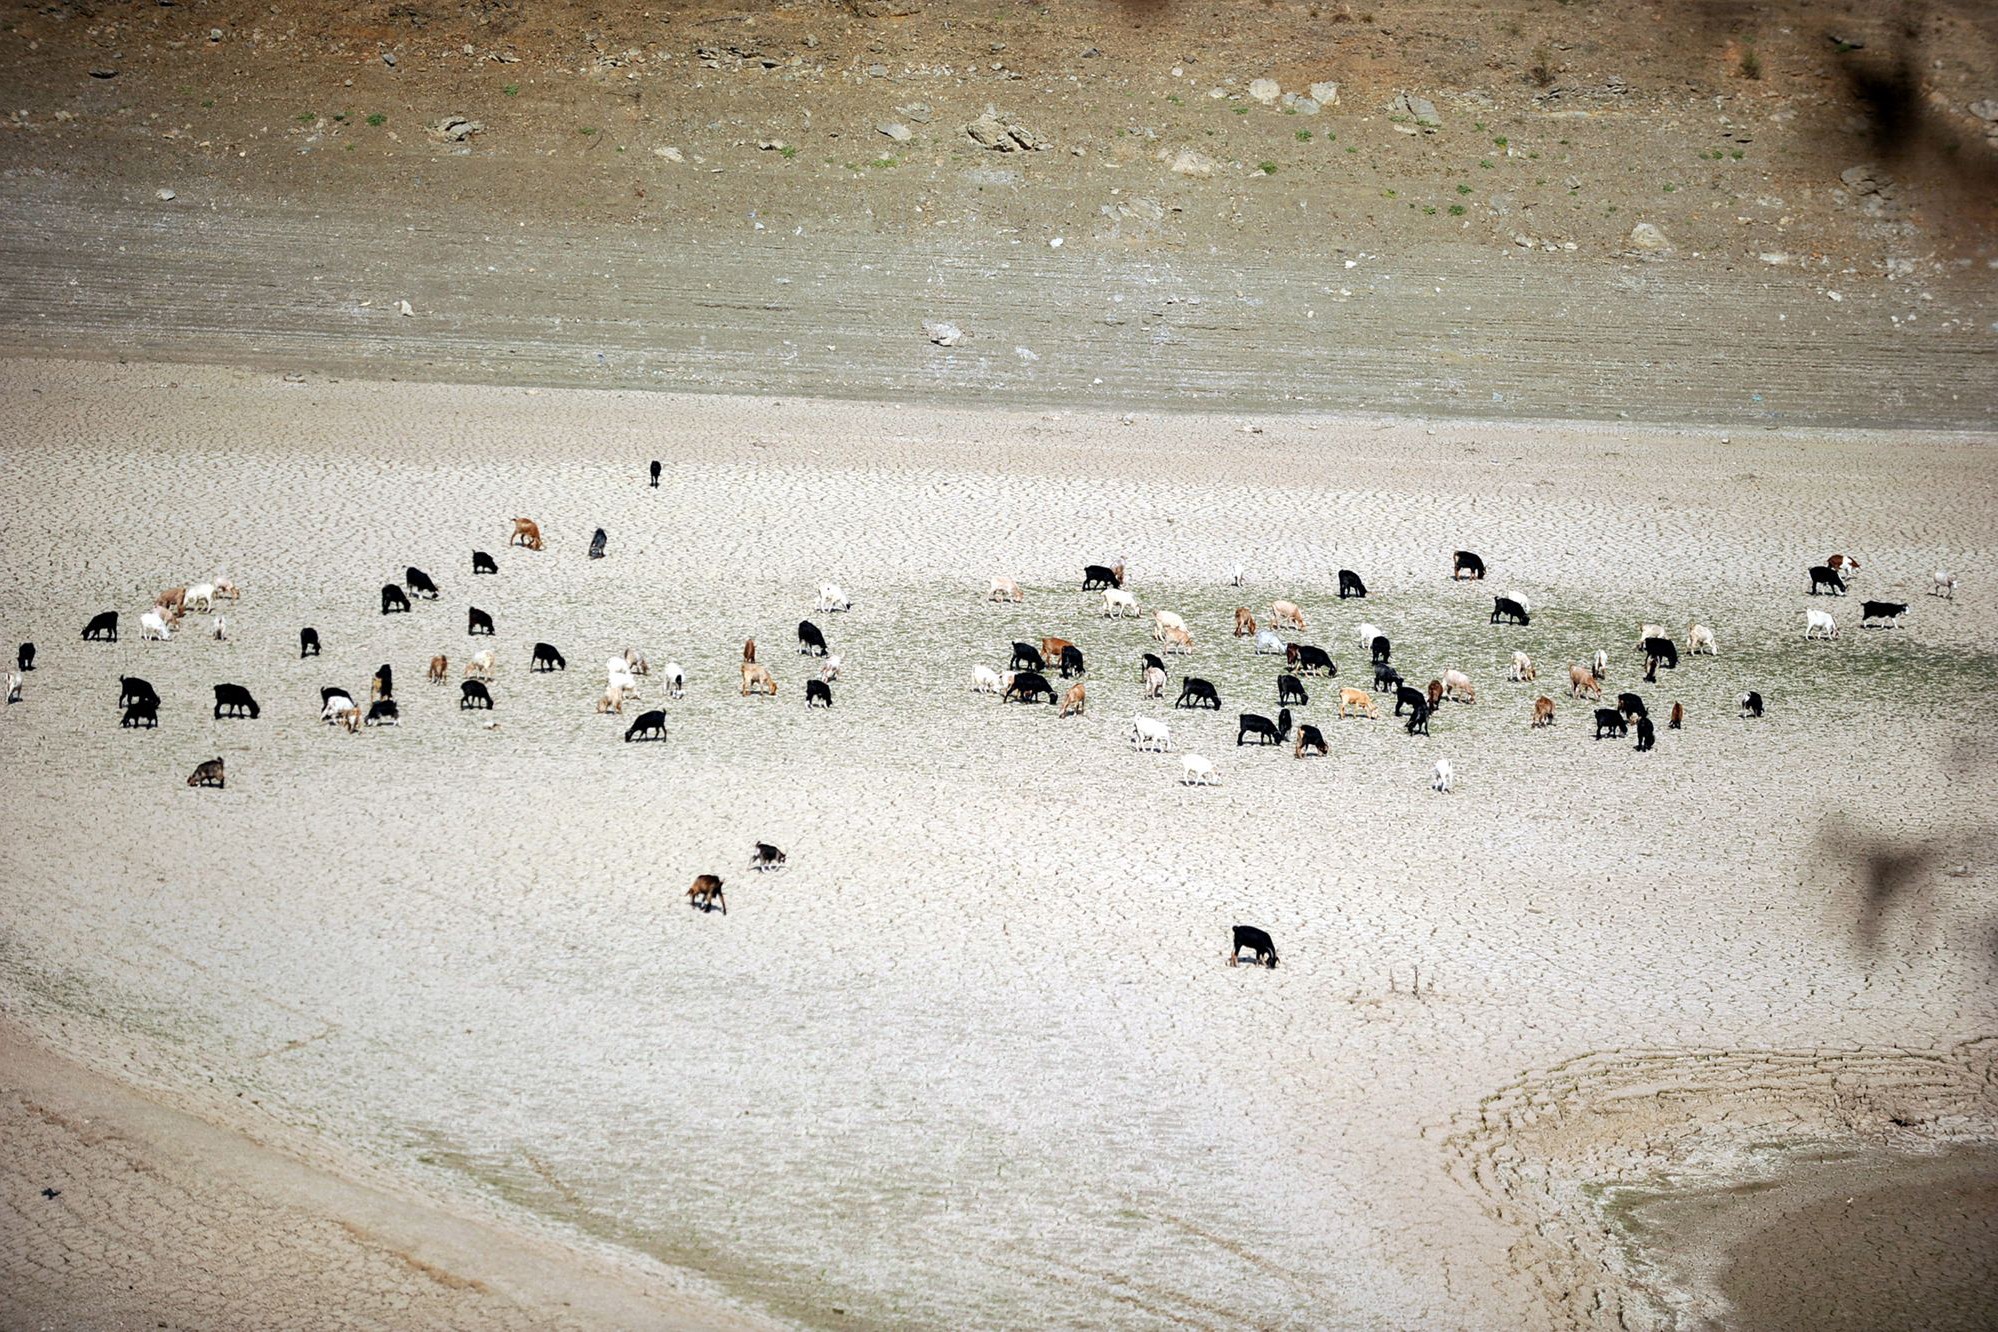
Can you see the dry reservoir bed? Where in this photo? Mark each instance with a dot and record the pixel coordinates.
(974, 1058)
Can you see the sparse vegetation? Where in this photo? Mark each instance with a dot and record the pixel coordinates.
(1456, 210)
(1463, 189)
(1304, 136)
(511, 90)
(1267, 168)
(1541, 71)
(1751, 63)
(378, 119)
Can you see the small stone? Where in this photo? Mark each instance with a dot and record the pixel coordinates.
(1303, 106)
(1645, 236)
(456, 129)
(1419, 109)
(215, 34)
(1189, 162)
(943, 334)
(1325, 94)
(877, 71)
(164, 196)
(388, 58)
(898, 132)
(670, 154)
(103, 72)
(402, 308)
(1265, 91)
(772, 145)
(1985, 110)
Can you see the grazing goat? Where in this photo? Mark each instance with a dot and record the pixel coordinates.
(174, 599)
(832, 597)
(1647, 631)
(1751, 704)
(13, 686)
(482, 666)
(418, 583)
(1195, 692)
(155, 627)
(763, 856)
(598, 540)
(818, 694)
(757, 680)
(478, 622)
(1245, 623)
(1434, 694)
(1844, 562)
(1661, 650)
(483, 563)
(1257, 942)
(1026, 657)
(1237, 576)
(24, 658)
(1823, 579)
(1386, 677)
(984, 680)
(1071, 662)
(1096, 577)
(1368, 633)
(635, 662)
(1072, 702)
(308, 643)
(1308, 658)
(145, 712)
(649, 726)
(1457, 687)
(706, 894)
(1052, 648)
(1584, 683)
(232, 700)
(1357, 699)
(1146, 661)
(1178, 640)
(829, 668)
(1119, 604)
(1350, 585)
(1463, 564)
(383, 683)
(1028, 686)
(1700, 639)
(1267, 732)
(131, 689)
(1164, 620)
(1154, 683)
(1309, 739)
(1418, 719)
(612, 701)
(439, 666)
(474, 694)
(811, 642)
(1441, 776)
(1005, 589)
(1290, 689)
(1630, 705)
(1610, 722)
(1512, 609)
(1287, 615)
(221, 633)
(201, 596)
(1543, 712)
(1153, 736)
(393, 600)
(618, 672)
(1890, 611)
(1195, 770)
(1270, 643)
(546, 658)
(1819, 624)
(332, 702)
(1944, 585)
(675, 678)
(1521, 669)
(225, 588)
(208, 773)
(526, 532)
(1405, 697)
(1647, 737)
(749, 649)
(383, 712)
(656, 469)
(1678, 717)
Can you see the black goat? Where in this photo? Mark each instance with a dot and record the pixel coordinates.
(1610, 722)
(1646, 736)
(1195, 692)
(1751, 704)
(1464, 564)
(232, 700)
(483, 563)
(597, 544)
(478, 622)
(1290, 689)
(1027, 685)
(810, 641)
(649, 726)
(1381, 648)
(1825, 577)
(1511, 610)
(473, 694)
(308, 643)
(418, 583)
(1257, 942)
(143, 712)
(1267, 732)
(131, 689)
(393, 600)
(103, 625)
(383, 712)
(1350, 585)
(818, 694)
(1026, 657)
(1071, 661)
(1890, 611)
(546, 658)
(1308, 658)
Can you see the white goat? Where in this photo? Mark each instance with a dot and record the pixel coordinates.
(1118, 602)
(1005, 589)
(1269, 641)
(1945, 585)
(1151, 735)
(1237, 576)
(1648, 630)
(204, 593)
(829, 669)
(675, 678)
(1440, 779)
(1163, 620)
(1700, 639)
(1521, 669)
(13, 686)
(1195, 771)
(985, 680)
(154, 625)
(1155, 682)
(335, 704)
(221, 628)
(636, 662)
(482, 666)
(1368, 633)
(832, 597)
(1599, 665)
(1819, 624)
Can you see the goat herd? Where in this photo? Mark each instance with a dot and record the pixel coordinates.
(1026, 678)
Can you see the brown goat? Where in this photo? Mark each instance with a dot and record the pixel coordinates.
(1582, 683)
(706, 894)
(1178, 640)
(1245, 623)
(612, 701)
(1359, 700)
(1543, 711)
(208, 773)
(1678, 716)
(1842, 562)
(1051, 649)
(1072, 701)
(439, 665)
(756, 680)
(174, 597)
(526, 532)
(749, 649)
(1435, 694)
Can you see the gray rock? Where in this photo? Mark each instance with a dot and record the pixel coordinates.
(1303, 106)
(1645, 236)
(877, 71)
(988, 131)
(1325, 94)
(1986, 110)
(388, 58)
(164, 196)
(670, 154)
(456, 129)
(1265, 91)
(899, 133)
(1191, 162)
(1866, 179)
(916, 111)
(943, 334)
(1419, 109)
